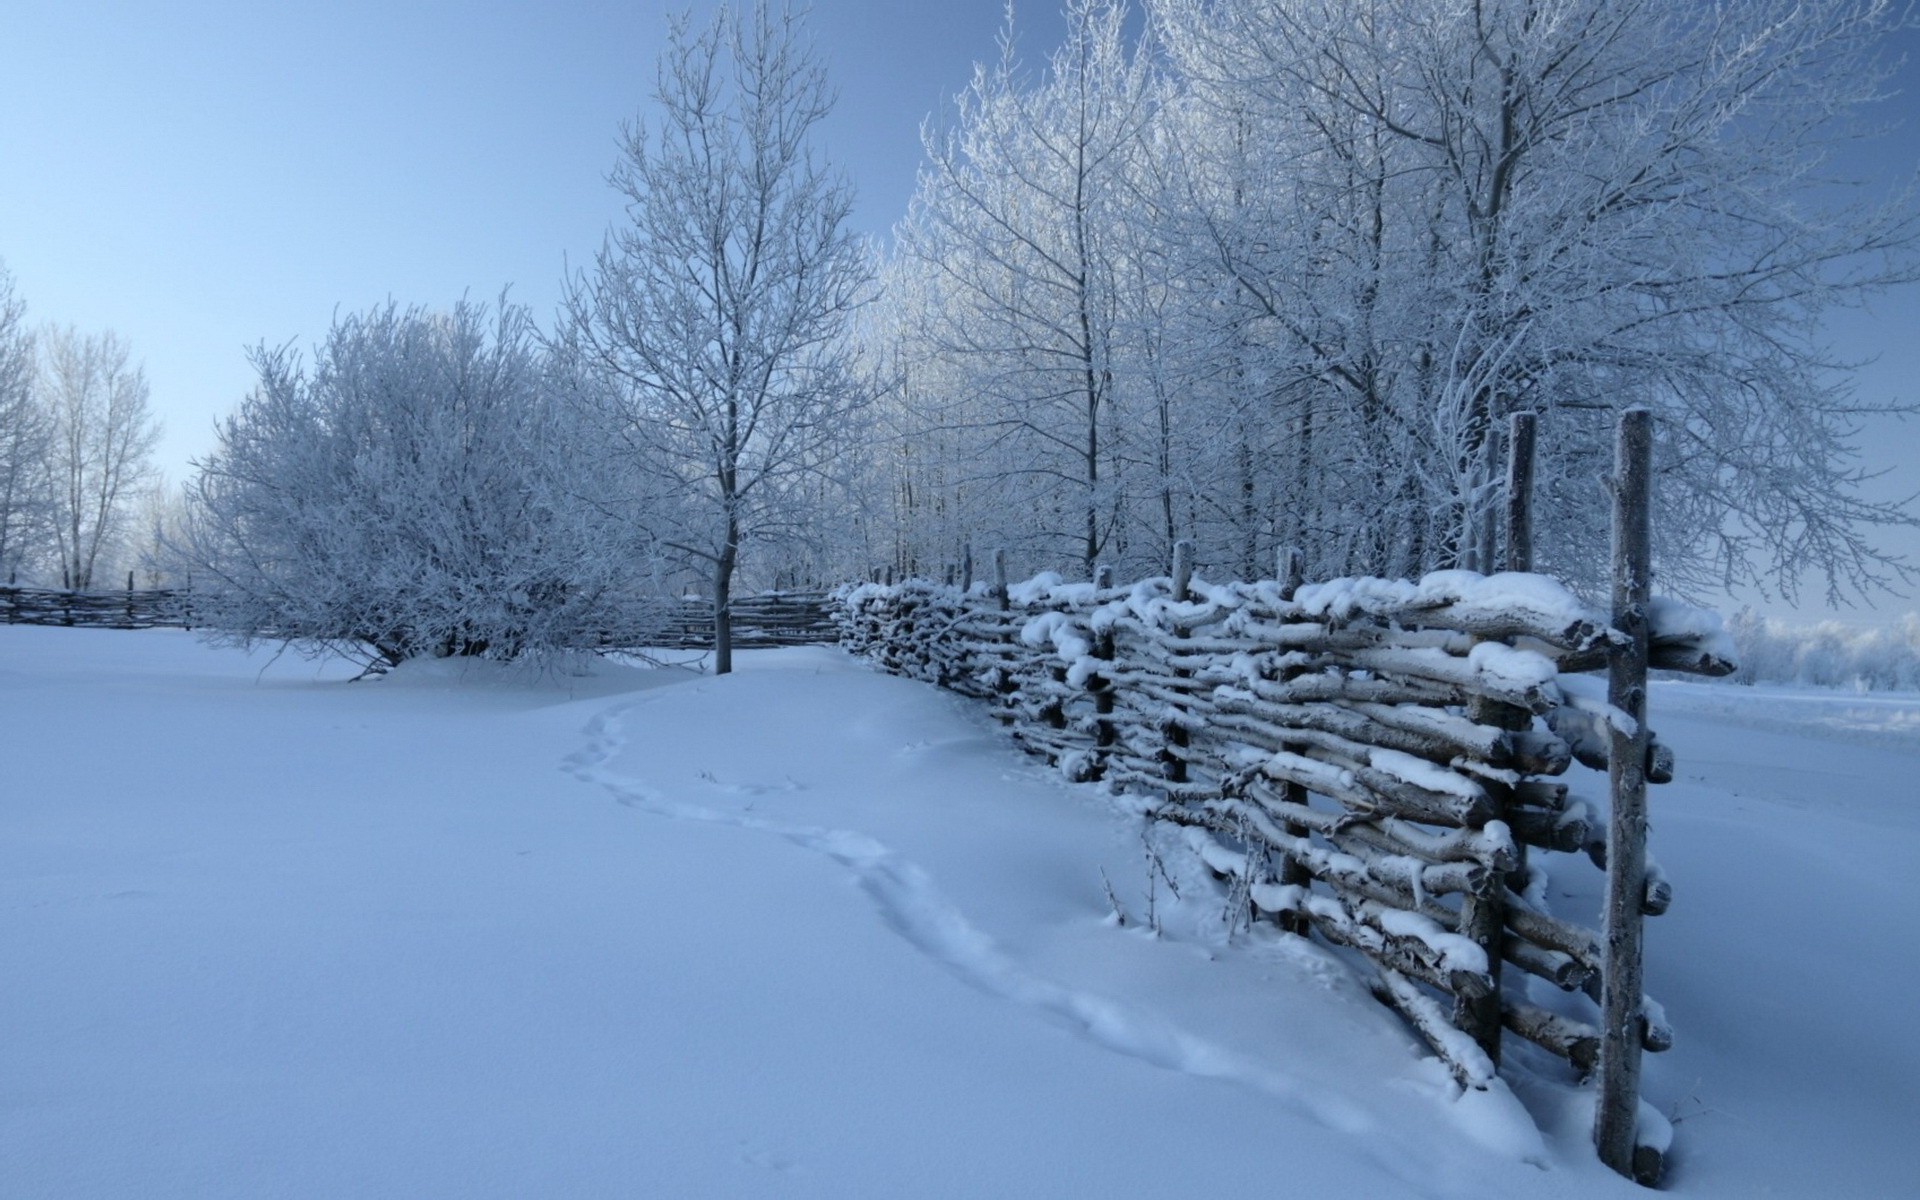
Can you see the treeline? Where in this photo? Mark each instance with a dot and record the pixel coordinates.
(1275, 273)
(1827, 653)
(1247, 273)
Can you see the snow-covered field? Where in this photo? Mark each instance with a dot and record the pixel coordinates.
(812, 931)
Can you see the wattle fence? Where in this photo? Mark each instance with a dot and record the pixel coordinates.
(767, 619)
(1372, 761)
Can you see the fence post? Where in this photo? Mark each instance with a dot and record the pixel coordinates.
(1174, 766)
(966, 567)
(1102, 685)
(1290, 573)
(1520, 492)
(1489, 515)
(1000, 579)
(1620, 989)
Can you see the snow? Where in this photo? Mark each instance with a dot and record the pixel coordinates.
(1467, 594)
(808, 930)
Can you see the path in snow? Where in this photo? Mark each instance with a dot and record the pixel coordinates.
(912, 906)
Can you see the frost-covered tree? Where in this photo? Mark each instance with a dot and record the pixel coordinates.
(1290, 291)
(1020, 224)
(426, 488)
(102, 436)
(1566, 207)
(717, 311)
(24, 440)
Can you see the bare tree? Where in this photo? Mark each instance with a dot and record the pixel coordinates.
(101, 447)
(23, 439)
(720, 308)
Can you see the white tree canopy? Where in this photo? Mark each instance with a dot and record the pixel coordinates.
(100, 446)
(1289, 292)
(424, 489)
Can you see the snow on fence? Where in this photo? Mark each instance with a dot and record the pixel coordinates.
(768, 619)
(1373, 761)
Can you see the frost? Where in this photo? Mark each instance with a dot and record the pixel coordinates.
(1424, 774)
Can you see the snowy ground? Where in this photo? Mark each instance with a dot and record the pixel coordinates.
(812, 931)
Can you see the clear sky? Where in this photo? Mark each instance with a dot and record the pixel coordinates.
(205, 175)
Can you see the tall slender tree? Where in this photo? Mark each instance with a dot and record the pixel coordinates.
(718, 309)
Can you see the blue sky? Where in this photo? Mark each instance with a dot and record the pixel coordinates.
(202, 176)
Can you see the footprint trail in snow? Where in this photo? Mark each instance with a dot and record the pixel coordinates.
(913, 906)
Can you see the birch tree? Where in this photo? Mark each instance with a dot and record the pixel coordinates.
(1018, 215)
(718, 309)
(1569, 207)
(24, 439)
(102, 437)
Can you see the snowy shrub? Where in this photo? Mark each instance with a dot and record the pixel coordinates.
(423, 490)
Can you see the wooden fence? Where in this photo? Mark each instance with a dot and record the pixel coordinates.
(768, 619)
(130, 609)
(1372, 761)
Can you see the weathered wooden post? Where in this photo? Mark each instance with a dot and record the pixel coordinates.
(1000, 579)
(1182, 569)
(1102, 684)
(1520, 434)
(1290, 573)
(1174, 765)
(966, 567)
(1489, 532)
(1621, 1020)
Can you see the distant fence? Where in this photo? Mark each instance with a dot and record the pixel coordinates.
(1430, 717)
(130, 609)
(767, 619)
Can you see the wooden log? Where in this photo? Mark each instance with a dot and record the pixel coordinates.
(1374, 793)
(1182, 576)
(1439, 744)
(1179, 739)
(1456, 674)
(1407, 872)
(1341, 925)
(1619, 1099)
(1562, 970)
(1494, 854)
(1289, 571)
(1536, 752)
(1575, 1041)
(1520, 457)
(1553, 933)
(1306, 688)
(1659, 762)
(1547, 829)
(1471, 1068)
(1657, 898)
